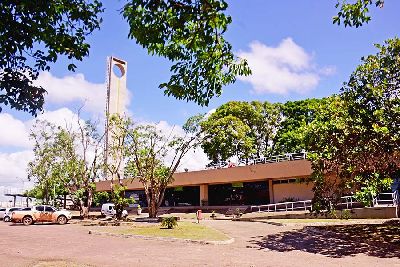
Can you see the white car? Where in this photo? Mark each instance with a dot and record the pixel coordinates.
(108, 210)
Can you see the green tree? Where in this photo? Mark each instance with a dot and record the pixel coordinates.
(66, 160)
(33, 34)
(240, 128)
(358, 136)
(296, 115)
(189, 33)
(117, 136)
(152, 157)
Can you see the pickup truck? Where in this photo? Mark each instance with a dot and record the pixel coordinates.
(42, 213)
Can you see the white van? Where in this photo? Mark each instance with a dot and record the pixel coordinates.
(107, 209)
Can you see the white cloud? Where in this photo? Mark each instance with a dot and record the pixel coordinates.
(13, 176)
(282, 69)
(14, 132)
(195, 159)
(73, 88)
(13, 167)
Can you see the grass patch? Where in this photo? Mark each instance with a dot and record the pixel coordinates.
(184, 230)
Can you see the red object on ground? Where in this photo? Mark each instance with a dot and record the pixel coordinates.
(199, 215)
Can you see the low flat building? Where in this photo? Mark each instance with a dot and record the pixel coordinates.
(256, 184)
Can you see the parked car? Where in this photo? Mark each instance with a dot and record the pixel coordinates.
(42, 213)
(108, 210)
(8, 212)
(2, 212)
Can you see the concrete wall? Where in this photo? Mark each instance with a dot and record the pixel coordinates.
(300, 191)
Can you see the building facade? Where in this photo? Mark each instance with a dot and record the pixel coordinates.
(256, 184)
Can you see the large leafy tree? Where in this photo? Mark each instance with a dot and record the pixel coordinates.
(357, 137)
(296, 115)
(33, 34)
(190, 33)
(66, 162)
(246, 129)
(152, 156)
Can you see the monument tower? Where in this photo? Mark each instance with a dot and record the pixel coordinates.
(117, 97)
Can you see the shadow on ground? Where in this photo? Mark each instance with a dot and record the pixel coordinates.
(378, 240)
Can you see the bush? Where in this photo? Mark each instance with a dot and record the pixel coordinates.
(169, 222)
(345, 215)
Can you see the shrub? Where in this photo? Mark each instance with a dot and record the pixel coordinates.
(345, 215)
(169, 222)
(333, 214)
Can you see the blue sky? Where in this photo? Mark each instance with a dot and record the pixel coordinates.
(295, 49)
(308, 23)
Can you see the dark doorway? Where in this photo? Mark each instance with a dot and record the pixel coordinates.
(182, 196)
(246, 193)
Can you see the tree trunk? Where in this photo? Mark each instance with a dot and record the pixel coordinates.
(153, 207)
(398, 211)
(84, 212)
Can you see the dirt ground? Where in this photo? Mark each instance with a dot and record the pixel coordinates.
(256, 244)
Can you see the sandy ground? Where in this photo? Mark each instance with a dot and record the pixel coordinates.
(256, 244)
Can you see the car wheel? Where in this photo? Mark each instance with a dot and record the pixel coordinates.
(62, 219)
(27, 220)
(7, 219)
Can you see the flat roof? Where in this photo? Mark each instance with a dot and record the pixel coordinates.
(248, 173)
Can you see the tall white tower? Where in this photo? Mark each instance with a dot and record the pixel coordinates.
(117, 100)
(116, 86)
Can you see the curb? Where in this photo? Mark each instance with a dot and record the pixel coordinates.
(202, 242)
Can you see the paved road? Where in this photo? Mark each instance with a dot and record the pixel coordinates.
(26, 246)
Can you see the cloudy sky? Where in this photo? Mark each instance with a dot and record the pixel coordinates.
(293, 48)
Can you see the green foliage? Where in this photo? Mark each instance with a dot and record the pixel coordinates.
(119, 199)
(151, 156)
(256, 129)
(345, 214)
(169, 222)
(101, 198)
(355, 138)
(61, 164)
(297, 115)
(33, 34)
(240, 128)
(333, 213)
(355, 14)
(370, 187)
(342, 214)
(190, 33)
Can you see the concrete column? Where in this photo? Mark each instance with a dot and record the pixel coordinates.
(203, 193)
(271, 191)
